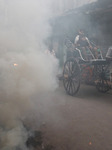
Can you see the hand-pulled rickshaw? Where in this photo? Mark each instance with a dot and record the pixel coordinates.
(93, 71)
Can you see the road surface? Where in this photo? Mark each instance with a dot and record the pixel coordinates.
(83, 122)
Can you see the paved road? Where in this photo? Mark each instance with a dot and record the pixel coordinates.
(83, 122)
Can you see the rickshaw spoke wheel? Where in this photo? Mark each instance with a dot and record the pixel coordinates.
(71, 76)
(103, 84)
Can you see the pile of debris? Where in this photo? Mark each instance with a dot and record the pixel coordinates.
(36, 141)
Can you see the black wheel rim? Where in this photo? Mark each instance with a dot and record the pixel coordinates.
(103, 86)
(71, 77)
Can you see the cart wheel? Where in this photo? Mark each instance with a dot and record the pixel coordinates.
(103, 84)
(71, 77)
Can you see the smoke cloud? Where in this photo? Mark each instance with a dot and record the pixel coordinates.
(26, 71)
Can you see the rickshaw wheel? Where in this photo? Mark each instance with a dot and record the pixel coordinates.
(103, 84)
(71, 76)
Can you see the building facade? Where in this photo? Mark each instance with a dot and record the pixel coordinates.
(61, 6)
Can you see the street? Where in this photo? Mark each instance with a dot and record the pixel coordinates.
(43, 42)
(83, 122)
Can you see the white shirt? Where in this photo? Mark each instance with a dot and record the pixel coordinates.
(109, 53)
(77, 39)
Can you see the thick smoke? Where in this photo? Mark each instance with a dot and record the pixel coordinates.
(25, 69)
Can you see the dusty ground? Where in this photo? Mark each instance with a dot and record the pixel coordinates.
(83, 122)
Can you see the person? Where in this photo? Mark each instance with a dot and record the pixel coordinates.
(81, 40)
(109, 53)
(97, 52)
(83, 43)
(109, 58)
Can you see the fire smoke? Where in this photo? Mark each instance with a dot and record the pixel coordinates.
(25, 70)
